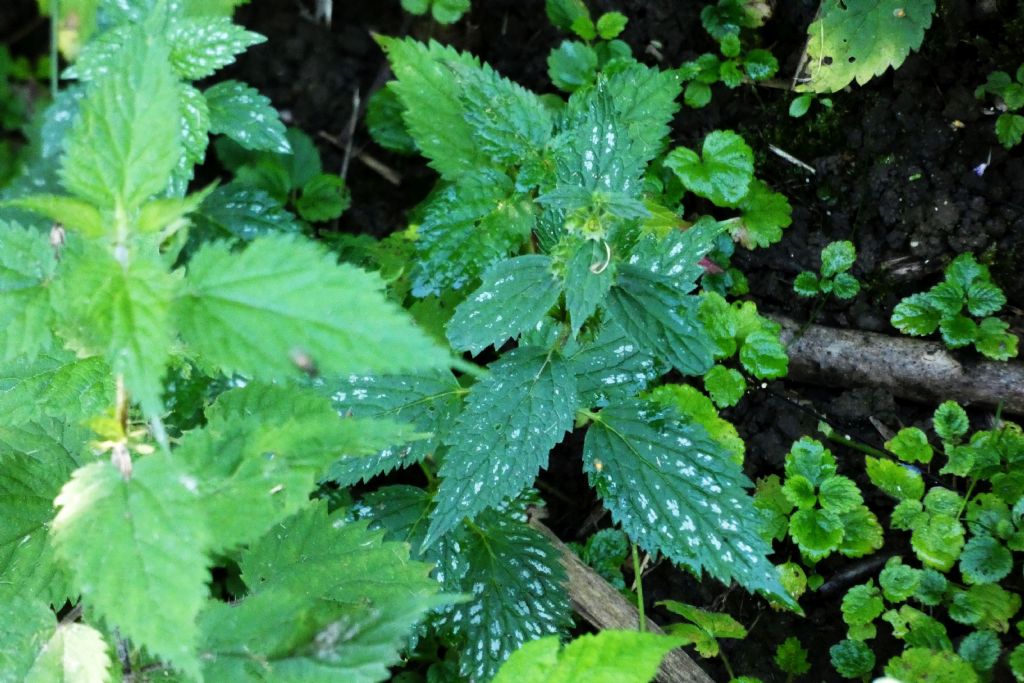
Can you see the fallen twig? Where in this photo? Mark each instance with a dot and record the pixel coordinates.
(602, 606)
(913, 369)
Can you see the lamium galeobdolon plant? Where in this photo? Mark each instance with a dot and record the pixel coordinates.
(195, 384)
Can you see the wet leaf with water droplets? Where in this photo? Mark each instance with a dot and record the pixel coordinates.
(247, 117)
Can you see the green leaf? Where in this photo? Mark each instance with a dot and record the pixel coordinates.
(71, 213)
(435, 113)
(126, 140)
(958, 331)
(980, 649)
(763, 215)
(985, 560)
(806, 284)
(1017, 662)
(704, 627)
(611, 367)
(839, 494)
(589, 275)
(816, 532)
(27, 626)
(200, 47)
(950, 421)
(764, 356)
(27, 264)
(845, 286)
(916, 315)
(697, 94)
(611, 24)
(515, 580)
(760, 64)
(514, 295)
(800, 105)
(512, 419)
(448, 11)
(253, 313)
(897, 480)
(563, 13)
(837, 257)
(607, 657)
(910, 445)
(725, 386)
(800, 492)
(693, 405)
(985, 606)
(324, 198)
(899, 581)
(808, 458)
(644, 100)
(1009, 129)
(932, 588)
(428, 402)
(862, 534)
(860, 40)
(659, 320)
(852, 658)
(918, 664)
(75, 652)
(722, 173)
(984, 298)
(862, 604)
(247, 117)
(938, 542)
(310, 575)
(572, 65)
(54, 385)
(994, 341)
(243, 213)
(791, 657)
(120, 310)
(675, 490)
(774, 506)
(150, 579)
(384, 122)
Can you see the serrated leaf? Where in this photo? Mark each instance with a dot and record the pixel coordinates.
(71, 213)
(862, 534)
(564, 13)
(466, 228)
(938, 542)
(862, 604)
(429, 402)
(515, 580)
(644, 99)
(608, 657)
(572, 65)
(774, 507)
(434, 111)
(994, 341)
(512, 419)
(861, 40)
(916, 315)
(899, 581)
(845, 286)
(1010, 129)
(839, 494)
(919, 663)
(127, 138)
(806, 284)
(514, 295)
(986, 606)
(958, 331)
(763, 216)
(984, 298)
(722, 173)
(980, 649)
(241, 213)
(910, 445)
(791, 657)
(324, 198)
(725, 386)
(661, 321)
(763, 355)
(589, 275)
(75, 653)
(28, 625)
(384, 121)
(611, 367)
(985, 560)
(816, 532)
(676, 491)
(247, 117)
(695, 406)
(897, 480)
(150, 579)
(852, 658)
(119, 310)
(27, 264)
(54, 385)
(252, 312)
(200, 47)
(837, 257)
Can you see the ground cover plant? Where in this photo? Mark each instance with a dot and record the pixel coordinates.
(285, 403)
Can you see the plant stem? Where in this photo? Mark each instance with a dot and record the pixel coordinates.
(638, 586)
(54, 57)
(728, 666)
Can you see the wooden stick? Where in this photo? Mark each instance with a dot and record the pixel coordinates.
(913, 369)
(603, 607)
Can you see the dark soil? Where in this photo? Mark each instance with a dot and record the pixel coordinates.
(894, 167)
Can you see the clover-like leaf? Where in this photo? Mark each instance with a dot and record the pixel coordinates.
(985, 560)
(950, 421)
(897, 480)
(722, 172)
(910, 445)
(852, 658)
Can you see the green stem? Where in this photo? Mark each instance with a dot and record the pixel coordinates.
(728, 666)
(818, 305)
(639, 587)
(834, 436)
(54, 57)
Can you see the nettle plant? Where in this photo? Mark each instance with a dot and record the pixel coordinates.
(556, 229)
(155, 395)
(725, 22)
(967, 285)
(834, 276)
(1009, 94)
(965, 538)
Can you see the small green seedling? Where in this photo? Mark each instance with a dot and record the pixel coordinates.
(967, 285)
(1009, 96)
(736, 66)
(834, 276)
(702, 629)
(576, 63)
(443, 11)
(802, 104)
